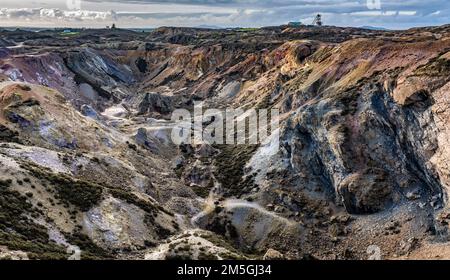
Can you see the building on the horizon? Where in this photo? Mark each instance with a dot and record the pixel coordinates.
(295, 23)
(318, 20)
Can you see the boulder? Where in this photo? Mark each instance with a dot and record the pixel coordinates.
(273, 255)
(153, 102)
(90, 112)
(367, 192)
(142, 139)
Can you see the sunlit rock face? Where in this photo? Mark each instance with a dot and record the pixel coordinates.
(87, 159)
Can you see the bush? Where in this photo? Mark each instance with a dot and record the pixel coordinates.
(81, 194)
(18, 232)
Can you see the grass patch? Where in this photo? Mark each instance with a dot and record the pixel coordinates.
(436, 67)
(69, 34)
(247, 29)
(203, 256)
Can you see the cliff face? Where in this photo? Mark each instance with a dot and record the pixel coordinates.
(88, 161)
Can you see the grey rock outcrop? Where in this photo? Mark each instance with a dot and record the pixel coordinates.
(155, 103)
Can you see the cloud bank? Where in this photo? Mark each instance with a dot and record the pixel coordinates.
(395, 14)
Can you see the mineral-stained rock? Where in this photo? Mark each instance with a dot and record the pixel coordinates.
(100, 71)
(118, 224)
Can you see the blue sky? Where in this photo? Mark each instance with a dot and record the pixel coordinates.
(393, 14)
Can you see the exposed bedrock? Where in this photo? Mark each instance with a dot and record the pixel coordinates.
(372, 157)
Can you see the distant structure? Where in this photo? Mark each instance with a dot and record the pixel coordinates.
(113, 26)
(295, 23)
(318, 20)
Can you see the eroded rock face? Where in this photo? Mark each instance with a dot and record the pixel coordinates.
(155, 103)
(116, 224)
(366, 193)
(100, 71)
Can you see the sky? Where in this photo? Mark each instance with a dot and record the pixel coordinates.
(391, 14)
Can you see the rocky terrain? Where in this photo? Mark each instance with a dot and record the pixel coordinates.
(88, 168)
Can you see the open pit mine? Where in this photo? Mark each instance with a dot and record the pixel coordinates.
(88, 168)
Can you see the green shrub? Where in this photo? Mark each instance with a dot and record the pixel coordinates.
(81, 194)
(18, 232)
(230, 165)
(89, 250)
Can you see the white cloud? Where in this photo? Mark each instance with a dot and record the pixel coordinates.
(251, 13)
(54, 14)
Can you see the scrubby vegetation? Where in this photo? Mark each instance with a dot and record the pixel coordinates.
(133, 199)
(436, 67)
(201, 191)
(19, 232)
(89, 251)
(81, 194)
(8, 135)
(230, 168)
